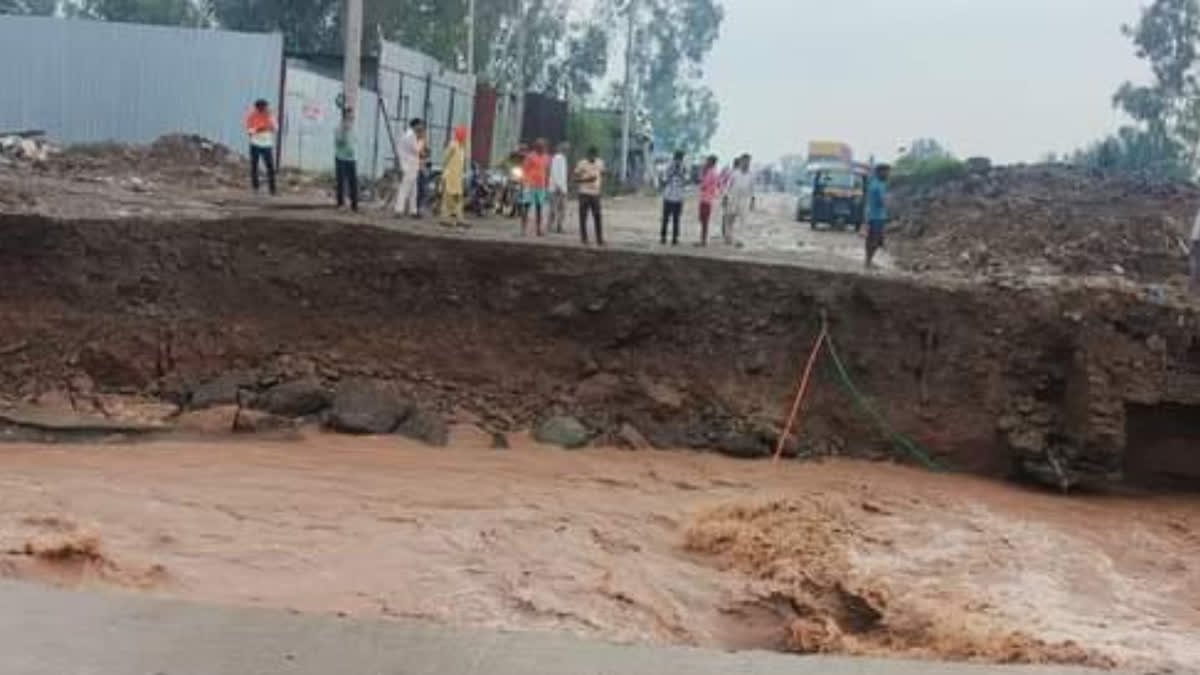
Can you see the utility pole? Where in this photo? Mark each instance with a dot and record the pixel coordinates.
(470, 71)
(627, 93)
(522, 37)
(352, 67)
(471, 37)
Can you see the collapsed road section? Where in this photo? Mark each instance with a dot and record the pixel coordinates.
(1067, 382)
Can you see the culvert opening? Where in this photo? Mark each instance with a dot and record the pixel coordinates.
(1163, 445)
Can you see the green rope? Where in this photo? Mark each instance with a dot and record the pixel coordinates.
(899, 441)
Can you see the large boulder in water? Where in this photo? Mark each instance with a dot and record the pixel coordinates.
(362, 406)
(563, 431)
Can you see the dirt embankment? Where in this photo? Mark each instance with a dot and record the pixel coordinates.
(691, 352)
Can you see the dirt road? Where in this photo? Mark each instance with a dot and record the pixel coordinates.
(651, 547)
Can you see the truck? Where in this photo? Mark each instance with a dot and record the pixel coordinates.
(832, 187)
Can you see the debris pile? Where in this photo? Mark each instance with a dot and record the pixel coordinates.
(1047, 219)
(25, 147)
(190, 160)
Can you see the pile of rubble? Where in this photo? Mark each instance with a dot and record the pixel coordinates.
(1047, 219)
(188, 160)
(25, 147)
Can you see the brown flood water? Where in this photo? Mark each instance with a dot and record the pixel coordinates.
(654, 547)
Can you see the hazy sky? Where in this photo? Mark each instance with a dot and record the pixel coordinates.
(1008, 79)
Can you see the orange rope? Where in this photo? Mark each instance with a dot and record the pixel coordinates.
(801, 391)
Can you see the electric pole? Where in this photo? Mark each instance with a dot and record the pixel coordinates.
(522, 37)
(471, 37)
(352, 68)
(627, 93)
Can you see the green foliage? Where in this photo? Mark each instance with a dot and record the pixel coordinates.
(307, 25)
(599, 128)
(1166, 133)
(927, 162)
(31, 7)
(559, 56)
(670, 42)
(1134, 150)
(928, 171)
(161, 12)
(926, 148)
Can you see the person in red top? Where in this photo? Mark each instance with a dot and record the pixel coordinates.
(710, 189)
(534, 171)
(261, 128)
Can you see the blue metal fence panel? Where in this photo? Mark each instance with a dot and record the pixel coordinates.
(91, 81)
(313, 115)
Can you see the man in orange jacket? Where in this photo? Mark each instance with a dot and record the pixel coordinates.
(261, 127)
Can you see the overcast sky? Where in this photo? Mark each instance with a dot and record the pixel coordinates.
(1008, 79)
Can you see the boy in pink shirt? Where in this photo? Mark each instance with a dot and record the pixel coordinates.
(710, 189)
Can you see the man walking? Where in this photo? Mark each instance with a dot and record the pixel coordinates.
(589, 176)
(672, 209)
(408, 152)
(710, 188)
(558, 188)
(533, 172)
(877, 215)
(346, 167)
(261, 128)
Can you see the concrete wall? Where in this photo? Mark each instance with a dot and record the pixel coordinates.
(90, 81)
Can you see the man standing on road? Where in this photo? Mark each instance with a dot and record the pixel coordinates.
(710, 188)
(741, 191)
(408, 151)
(877, 215)
(589, 175)
(261, 127)
(558, 188)
(346, 168)
(673, 182)
(533, 171)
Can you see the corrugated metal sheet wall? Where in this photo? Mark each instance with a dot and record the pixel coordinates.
(88, 81)
(413, 84)
(313, 115)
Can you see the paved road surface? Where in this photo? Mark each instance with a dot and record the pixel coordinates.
(55, 632)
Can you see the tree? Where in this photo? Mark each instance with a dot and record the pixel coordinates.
(307, 25)
(926, 148)
(162, 12)
(1166, 113)
(669, 56)
(32, 7)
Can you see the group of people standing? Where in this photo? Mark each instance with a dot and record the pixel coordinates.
(546, 184)
(732, 188)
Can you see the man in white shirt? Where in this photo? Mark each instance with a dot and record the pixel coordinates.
(1194, 257)
(741, 192)
(558, 188)
(408, 151)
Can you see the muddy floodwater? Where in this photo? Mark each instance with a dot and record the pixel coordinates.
(648, 547)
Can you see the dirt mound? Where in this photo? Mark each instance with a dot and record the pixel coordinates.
(189, 160)
(1047, 219)
(812, 600)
